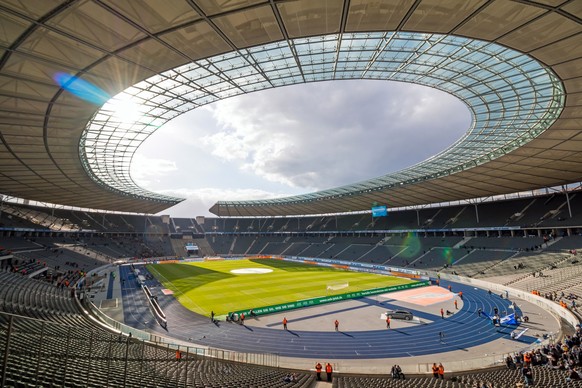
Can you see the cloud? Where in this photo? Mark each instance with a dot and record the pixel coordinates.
(329, 134)
(198, 201)
(296, 139)
(146, 171)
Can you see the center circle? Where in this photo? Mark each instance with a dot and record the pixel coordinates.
(246, 271)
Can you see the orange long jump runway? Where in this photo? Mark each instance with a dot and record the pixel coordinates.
(424, 296)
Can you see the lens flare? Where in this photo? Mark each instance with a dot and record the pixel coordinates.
(448, 256)
(153, 234)
(83, 89)
(412, 245)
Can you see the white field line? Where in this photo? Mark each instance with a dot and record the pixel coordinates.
(176, 288)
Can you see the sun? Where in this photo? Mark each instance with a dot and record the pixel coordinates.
(125, 108)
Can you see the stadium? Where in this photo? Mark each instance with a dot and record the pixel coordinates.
(477, 248)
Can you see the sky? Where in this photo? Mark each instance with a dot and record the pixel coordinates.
(295, 140)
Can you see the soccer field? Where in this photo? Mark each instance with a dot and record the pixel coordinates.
(224, 286)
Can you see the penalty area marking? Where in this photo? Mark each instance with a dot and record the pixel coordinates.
(248, 271)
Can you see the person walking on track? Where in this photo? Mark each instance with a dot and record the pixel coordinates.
(328, 371)
(318, 368)
(441, 371)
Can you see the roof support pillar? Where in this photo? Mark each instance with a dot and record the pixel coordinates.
(476, 212)
(567, 201)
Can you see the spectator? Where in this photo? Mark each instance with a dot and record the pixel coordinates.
(290, 378)
(509, 362)
(573, 375)
(527, 375)
(397, 373)
(441, 336)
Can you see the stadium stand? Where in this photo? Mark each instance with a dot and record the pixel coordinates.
(505, 259)
(66, 146)
(511, 243)
(504, 213)
(185, 225)
(315, 250)
(221, 243)
(43, 326)
(568, 243)
(491, 214)
(50, 342)
(477, 262)
(542, 376)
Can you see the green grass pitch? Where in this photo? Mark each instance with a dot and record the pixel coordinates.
(210, 286)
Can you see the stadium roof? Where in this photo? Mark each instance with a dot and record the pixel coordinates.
(516, 64)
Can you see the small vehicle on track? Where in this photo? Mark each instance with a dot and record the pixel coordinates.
(399, 314)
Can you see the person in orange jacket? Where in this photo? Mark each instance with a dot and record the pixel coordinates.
(318, 368)
(336, 323)
(285, 323)
(441, 371)
(435, 371)
(328, 371)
